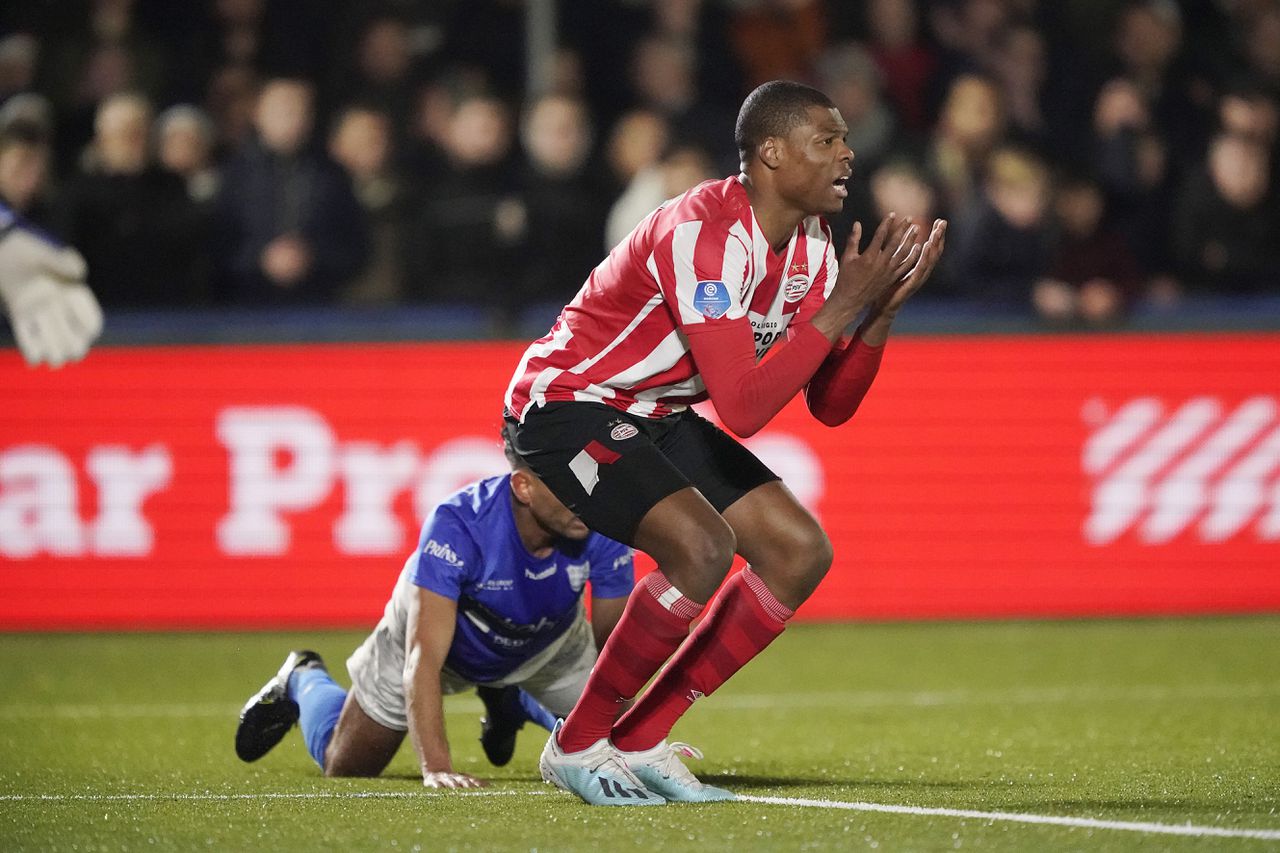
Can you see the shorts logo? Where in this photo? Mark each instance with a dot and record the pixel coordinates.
(443, 551)
(711, 299)
(796, 287)
(586, 465)
(623, 431)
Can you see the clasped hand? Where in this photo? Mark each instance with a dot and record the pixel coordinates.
(892, 267)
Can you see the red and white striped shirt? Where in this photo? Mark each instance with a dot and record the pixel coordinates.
(698, 261)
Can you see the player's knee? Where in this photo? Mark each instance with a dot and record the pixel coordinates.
(800, 562)
(821, 554)
(336, 770)
(348, 769)
(703, 562)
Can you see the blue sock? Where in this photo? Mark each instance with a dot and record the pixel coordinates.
(534, 711)
(320, 700)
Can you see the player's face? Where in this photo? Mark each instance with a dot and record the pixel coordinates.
(553, 516)
(815, 170)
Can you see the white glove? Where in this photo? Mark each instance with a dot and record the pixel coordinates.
(55, 316)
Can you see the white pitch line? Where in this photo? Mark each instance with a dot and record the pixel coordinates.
(744, 701)
(1013, 817)
(1052, 820)
(298, 795)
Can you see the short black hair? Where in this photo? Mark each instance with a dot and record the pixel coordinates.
(774, 109)
(508, 447)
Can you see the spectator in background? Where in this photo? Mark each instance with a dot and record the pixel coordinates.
(131, 220)
(470, 222)
(564, 204)
(971, 124)
(291, 227)
(968, 33)
(908, 65)
(680, 168)
(1262, 47)
(383, 73)
(900, 187)
(238, 30)
(19, 53)
(361, 142)
(636, 143)
(106, 53)
(29, 107)
(664, 75)
(1149, 49)
(185, 136)
(1247, 110)
(1001, 240)
(1095, 277)
(423, 156)
(1226, 228)
(1132, 164)
(1021, 68)
(24, 168)
(779, 39)
(849, 75)
(230, 101)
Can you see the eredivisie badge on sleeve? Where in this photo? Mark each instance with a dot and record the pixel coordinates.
(711, 299)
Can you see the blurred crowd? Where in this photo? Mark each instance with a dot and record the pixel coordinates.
(1092, 155)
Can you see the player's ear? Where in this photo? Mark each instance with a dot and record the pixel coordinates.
(522, 486)
(770, 152)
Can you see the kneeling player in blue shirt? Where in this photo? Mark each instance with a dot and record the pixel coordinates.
(491, 598)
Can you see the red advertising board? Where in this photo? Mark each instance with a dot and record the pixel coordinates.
(256, 486)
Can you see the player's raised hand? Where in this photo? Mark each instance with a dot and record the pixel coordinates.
(449, 779)
(867, 275)
(914, 278)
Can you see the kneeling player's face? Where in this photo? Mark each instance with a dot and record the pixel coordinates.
(553, 516)
(818, 162)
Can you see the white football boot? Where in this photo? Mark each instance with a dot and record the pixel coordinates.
(662, 771)
(597, 774)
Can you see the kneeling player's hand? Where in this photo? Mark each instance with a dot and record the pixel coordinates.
(443, 779)
(55, 316)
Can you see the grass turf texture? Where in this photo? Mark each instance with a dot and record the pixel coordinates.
(124, 742)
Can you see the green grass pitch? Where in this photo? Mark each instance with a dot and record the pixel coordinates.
(931, 736)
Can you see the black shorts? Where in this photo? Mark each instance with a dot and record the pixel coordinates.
(611, 468)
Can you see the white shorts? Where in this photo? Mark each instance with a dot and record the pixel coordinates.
(555, 676)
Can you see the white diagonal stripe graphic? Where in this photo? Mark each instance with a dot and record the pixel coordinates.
(1124, 428)
(1184, 493)
(1269, 524)
(1242, 493)
(1121, 497)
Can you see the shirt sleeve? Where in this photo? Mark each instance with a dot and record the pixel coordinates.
(701, 270)
(837, 389)
(448, 556)
(612, 569)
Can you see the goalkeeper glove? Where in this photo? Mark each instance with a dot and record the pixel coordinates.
(55, 316)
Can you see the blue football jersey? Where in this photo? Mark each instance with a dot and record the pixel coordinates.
(511, 604)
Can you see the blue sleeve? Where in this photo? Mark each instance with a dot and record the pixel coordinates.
(10, 220)
(447, 555)
(612, 569)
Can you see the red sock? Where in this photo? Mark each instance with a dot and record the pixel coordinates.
(743, 620)
(653, 624)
